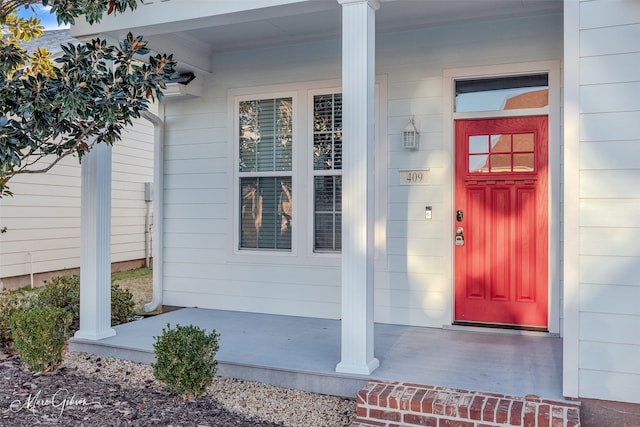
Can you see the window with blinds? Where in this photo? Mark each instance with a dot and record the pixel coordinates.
(265, 172)
(327, 172)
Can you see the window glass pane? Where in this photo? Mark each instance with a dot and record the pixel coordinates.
(523, 142)
(501, 143)
(478, 144)
(478, 163)
(523, 162)
(265, 133)
(265, 213)
(501, 163)
(502, 93)
(327, 213)
(327, 132)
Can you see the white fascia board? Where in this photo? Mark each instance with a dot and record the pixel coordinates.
(181, 15)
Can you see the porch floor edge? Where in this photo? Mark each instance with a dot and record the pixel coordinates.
(341, 385)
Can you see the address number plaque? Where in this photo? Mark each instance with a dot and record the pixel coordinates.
(414, 177)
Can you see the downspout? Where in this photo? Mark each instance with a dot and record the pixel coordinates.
(158, 197)
(148, 198)
(30, 255)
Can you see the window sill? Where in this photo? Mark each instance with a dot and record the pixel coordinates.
(285, 258)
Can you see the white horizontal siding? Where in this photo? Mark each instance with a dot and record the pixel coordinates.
(608, 68)
(609, 200)
(610, 155)
(609, 184)
(609, 328)
(610, 270)
(608, 13)
(610, 40)
(43, 217)
(608, 385)
(611, 97)
(610, 241)
(613, 126)
(608, 298)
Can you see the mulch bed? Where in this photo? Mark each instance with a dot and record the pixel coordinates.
(65, 398)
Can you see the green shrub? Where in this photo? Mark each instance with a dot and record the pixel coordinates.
(122, 305)
(39, 336)
(11, 302)
(186, 359)
(64, 292)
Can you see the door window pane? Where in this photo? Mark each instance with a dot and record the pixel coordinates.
(523, 142)
(523, 162)
(478, 144)
(500, 163)
(500, 143)
(478, 163)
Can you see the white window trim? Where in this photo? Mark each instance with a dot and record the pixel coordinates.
(552, 68)
(302, 251)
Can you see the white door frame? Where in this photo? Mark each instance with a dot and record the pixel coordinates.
(552, 68)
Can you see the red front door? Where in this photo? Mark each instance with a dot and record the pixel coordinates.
(501, 222)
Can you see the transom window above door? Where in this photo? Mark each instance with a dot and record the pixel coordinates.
(502, 93)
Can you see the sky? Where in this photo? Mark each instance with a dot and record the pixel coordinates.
(47, 19)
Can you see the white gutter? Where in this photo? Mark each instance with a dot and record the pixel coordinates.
(158, 214)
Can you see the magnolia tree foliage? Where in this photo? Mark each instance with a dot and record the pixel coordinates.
(88, 95)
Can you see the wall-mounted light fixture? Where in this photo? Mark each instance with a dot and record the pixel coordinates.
(177, 87)
(410, 135)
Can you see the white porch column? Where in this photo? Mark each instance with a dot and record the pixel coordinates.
(95, 245)
(358, 80)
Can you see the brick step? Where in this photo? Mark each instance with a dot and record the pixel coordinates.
(394, 404)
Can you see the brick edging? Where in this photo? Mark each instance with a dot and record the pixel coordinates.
(386, 404)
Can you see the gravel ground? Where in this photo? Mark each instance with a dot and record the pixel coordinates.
(106, 391)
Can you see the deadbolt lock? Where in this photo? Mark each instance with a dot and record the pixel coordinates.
(459, 236)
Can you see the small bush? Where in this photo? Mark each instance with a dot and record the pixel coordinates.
(39, 336)
(186, 359)
(64, 292)
(122, 305)
(11, 302)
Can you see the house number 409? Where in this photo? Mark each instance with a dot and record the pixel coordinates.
(413, 177)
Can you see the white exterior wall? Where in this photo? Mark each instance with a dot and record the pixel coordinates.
(609, 347)
(43, 217)
(413, 278)
(417, 287)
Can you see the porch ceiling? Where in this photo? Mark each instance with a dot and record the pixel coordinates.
(194, 41)
(314, 22)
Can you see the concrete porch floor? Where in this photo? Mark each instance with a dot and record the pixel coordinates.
(302, 353)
